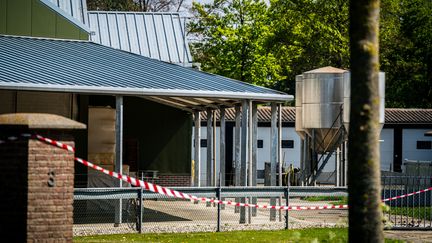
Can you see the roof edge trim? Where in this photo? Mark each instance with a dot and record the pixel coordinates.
(66, 15)
(145, 92)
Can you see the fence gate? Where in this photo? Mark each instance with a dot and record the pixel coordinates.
(409, 211)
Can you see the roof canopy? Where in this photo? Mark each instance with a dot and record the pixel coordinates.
(156, 35)
(86, 67)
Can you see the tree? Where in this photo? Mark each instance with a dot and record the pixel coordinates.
(308, 34)
(232, 36)
(406, 57)
(136, 5)
(365, 216)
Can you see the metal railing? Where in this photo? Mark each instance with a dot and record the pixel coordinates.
(413, 212)
(144, 211)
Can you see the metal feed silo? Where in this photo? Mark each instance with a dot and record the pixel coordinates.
(347, 98)
(298, 104)
(322, 120)
(322, 103)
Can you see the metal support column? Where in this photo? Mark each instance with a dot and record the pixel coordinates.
(197, 150)
(222, 163)
(244, 154)
(337, 167)
(118, 154)
(273, 155)
(209, 171)
(302, 161)
(215, 174)
(279, 148)
(237, 152)
(237, 145)
(254, 139)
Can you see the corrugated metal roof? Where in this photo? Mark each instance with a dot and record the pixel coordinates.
(73, 10)
(86, 67)
(408, 116)
(264, 114)
(392, 115)
(155, 35)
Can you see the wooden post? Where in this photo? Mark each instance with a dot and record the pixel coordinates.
(209, 147)
(118, 154)
(197, 151)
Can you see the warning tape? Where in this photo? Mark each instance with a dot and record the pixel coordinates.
(173, 193)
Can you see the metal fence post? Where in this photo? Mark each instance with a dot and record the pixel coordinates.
(287, 200)
(218, 195)
(140, 209)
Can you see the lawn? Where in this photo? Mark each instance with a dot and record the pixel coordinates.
(324, 198)
(303, 235)
(415, 212)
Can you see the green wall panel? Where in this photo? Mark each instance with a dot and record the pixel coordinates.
(66, 30)
(43, 20)
(3, 11)
(33, 18)
(18, 20)
(84, 35)
(163, 134)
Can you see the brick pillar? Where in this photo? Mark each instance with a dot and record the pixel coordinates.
(36, 179)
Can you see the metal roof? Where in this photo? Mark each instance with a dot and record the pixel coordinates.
(29, 63)
(73, 10)
(155, 35)
(392, 115)
(408, 116)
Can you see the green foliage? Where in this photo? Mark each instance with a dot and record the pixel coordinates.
(110, 5)
(406, 52)
(233, 35)
(269, 43)
(309, 34)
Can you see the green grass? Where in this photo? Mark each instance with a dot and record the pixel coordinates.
(335, 200)
(415, 212)
(324, 198)
(303, 235)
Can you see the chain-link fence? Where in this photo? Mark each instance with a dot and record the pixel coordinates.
(97, 210)
(407, 212)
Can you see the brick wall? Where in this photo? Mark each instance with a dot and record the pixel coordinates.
(37, 181)
(172, 180)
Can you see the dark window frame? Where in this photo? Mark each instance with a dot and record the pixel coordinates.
(260, 143)
(424, 145)
(287, 144)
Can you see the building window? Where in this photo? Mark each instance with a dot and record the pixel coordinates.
(424, 144)
(203, 143)
(260, 143)
(287, 143)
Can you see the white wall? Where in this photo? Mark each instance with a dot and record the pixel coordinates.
(386, 149)
(409, 145)
(292, 156)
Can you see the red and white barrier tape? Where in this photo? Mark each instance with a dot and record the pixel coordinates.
(173, 193)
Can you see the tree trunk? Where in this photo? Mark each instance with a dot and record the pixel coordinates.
(365, 216)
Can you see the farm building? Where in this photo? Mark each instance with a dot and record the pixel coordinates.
(138, 110)
(146, 89)
(404, 139)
